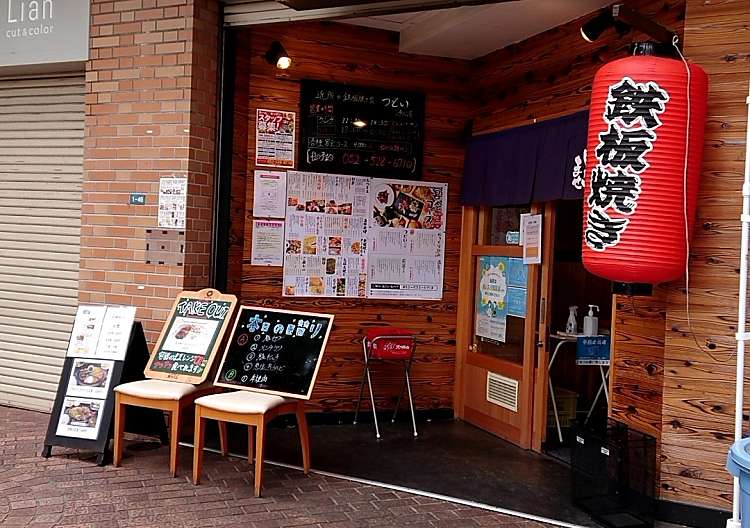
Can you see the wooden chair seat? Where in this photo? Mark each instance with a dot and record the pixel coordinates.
(168, 396)
(255, 410)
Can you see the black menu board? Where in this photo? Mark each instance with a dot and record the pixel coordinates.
(388, 143)
(275, 351)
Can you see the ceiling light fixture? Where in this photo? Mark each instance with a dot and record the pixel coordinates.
(278, 56)
(359, 123)
(620, 16)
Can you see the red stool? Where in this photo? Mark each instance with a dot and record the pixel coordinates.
(388, 344)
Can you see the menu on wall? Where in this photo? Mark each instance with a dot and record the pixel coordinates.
(274, 138)
(268, 243)
(172, 202)
(491, 298)
(325, 243)
(275, 351)
(406, 247)
(269, 194)
(361, 130)
(191, 335)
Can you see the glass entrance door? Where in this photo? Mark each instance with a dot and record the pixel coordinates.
(499, 327)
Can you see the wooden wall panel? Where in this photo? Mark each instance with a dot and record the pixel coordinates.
(638, 361)
(550, 74)
(347, 54)
(698, 412)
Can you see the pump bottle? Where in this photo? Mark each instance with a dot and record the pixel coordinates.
(591, 322)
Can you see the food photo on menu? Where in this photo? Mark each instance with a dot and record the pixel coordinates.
(90, 378)
(190, 335)
(80, 418)
(407, 206)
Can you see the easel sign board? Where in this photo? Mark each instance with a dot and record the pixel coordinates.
(82, 413)
(191, 336)
(275, 351)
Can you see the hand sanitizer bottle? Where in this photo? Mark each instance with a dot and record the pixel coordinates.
(572, 326)
(591, 322)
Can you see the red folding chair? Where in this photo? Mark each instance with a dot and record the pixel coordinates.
(388, 344)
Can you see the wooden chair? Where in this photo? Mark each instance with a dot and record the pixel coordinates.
(169, 396)
(253, 409)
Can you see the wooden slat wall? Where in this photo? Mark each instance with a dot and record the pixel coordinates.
(699, 359)
(550, 74)
(342, 53)
(638, 361)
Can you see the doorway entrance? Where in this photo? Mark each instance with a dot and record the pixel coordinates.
(511, 318)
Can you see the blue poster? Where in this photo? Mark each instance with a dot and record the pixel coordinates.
(517, 302)
(492, 298)
(593, 350)
(518, 275)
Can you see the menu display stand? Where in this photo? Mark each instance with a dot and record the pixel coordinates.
(275, 351)
(126, 370)
(191, 336)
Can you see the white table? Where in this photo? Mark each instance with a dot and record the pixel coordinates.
(563, 338)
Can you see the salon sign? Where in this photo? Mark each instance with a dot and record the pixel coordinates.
(38, 32)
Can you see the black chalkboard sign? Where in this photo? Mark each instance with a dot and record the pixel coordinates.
(388, 142)
(190, 337)
(275, 351)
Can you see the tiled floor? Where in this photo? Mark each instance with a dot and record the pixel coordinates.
(68, 490)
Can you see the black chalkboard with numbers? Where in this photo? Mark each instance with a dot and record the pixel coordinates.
(275, 351)
(361, 131)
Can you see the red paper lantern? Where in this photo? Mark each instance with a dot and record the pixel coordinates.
(633, 217)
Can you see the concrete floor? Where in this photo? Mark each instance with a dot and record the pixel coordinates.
(449, 458)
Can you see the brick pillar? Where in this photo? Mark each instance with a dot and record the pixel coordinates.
(151, 85)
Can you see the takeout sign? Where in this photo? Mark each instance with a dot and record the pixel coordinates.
(199, 308)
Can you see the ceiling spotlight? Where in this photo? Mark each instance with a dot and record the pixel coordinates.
(593, 29)
(359, 123)
(278, 56)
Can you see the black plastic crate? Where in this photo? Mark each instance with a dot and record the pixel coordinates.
(614, 474)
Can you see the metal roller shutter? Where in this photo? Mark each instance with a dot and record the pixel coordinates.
(41, 175)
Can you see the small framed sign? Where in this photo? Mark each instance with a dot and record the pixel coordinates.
(275, 351)
(593, 350)
(191, 336)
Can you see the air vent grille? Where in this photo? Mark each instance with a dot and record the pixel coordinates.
(502, 391)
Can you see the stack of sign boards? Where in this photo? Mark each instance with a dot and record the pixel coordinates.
(103, 340)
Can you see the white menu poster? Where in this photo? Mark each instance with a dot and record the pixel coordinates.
(268, 243)
(531, 227)
(115, 334)
(325, 244)
(269, 194)
(90, 378)
(274, 138)
(172, 202)
(80, 418)
(406, 243)
(86, 329)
